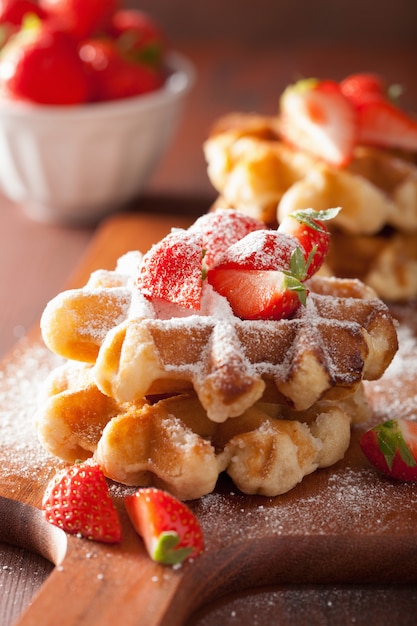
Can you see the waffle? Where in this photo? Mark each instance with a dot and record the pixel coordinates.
(254, 171)
(160, 395)
(342, 336)
(171, 443)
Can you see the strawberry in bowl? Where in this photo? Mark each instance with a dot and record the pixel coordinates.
(92, 107)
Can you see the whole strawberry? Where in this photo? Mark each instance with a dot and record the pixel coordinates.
(14, 11)
(41, 64)
(81, 18)
(392, 448)
(138, 36)
(112, 75)
(172, 270)
(222, 228)
(78, 501)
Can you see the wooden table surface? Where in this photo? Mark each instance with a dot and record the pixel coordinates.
(37, 259)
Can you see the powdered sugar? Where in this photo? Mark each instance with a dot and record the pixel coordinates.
(261, 250)
(21, 380)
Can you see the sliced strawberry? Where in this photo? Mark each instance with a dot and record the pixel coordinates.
(307, 227)
(222, 228)
(169, 529)
(258, 294)
(172, 269)
(392, 448)
(260, 250)
(317, 118)
(382, 123)
(359, 87)
(78, 501)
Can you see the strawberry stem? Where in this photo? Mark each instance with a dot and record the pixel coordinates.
(166, 550)
(391, 440)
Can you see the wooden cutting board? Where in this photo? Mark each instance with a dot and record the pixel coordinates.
(345, 524)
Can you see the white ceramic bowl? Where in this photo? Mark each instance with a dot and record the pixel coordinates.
(77, 164)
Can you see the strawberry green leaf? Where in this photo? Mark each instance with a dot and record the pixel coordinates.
(166, 550)
(293, 284)
(298, 265)
(310, 216)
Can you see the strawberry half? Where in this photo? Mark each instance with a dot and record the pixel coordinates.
(169, 529)
(316, 117)
(222, 228)
(78, 501)
(382, 123)
(392, 448)
(307, 227)
(259, 294)
(172, 269)
(360, 87)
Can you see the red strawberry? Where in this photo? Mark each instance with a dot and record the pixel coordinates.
(222, 228)
(308, 229)
(260, 250)
(359, 87)
(169, 529)
(138, 36)
(316, 117)
(12, 15)
(114, 76)
(13, 11)
(392, 448)
(82, 18)
(172, 269)
(259, 294)
(78, 501)
(381, 123)
(41, 64)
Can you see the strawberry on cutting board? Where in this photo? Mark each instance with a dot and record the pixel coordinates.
(78, 501)
(316, 117)
(308, 228)
(169, 529)
(392, 448)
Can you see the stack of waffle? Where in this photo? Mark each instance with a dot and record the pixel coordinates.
(174, 401)
(374, 237)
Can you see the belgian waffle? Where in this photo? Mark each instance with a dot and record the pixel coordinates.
(160, 395)
(171, 443)
(343, 335)
(254, 171)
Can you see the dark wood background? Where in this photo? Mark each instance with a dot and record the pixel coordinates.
(272, 22)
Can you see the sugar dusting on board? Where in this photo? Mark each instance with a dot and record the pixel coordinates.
(343, 499)
(346, 499)
(21, 379)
